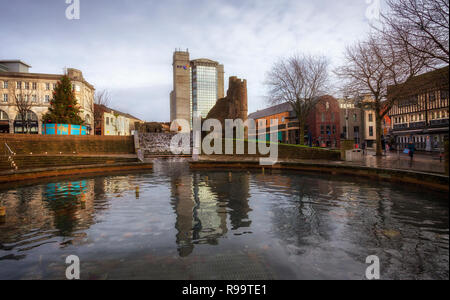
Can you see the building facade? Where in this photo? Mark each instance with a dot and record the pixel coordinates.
(323, 123)
(16, 81)
(351, 116)
(114, 122)
(287, 131)
(197, 85)
(322, 128)
(421, 112)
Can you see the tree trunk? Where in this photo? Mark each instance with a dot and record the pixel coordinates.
(378, 132)
(301, 129)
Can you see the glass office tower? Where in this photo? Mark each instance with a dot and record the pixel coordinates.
(198, 84)
(206, 86)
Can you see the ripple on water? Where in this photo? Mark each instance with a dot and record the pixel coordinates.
(282, 225)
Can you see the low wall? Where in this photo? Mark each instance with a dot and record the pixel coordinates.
(286, 151)
(431, 181)
(27, 175)
(40, 144)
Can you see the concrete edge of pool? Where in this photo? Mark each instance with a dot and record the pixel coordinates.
(428, 180)
(28, 174)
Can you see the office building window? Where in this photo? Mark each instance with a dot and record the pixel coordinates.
(34, 85)
(5, 84)
(323, 117)
(5, 97)
(47, 99)
(370, 130)
(107, 120)
(18, 84)
(370, 117)
(47, 86)
(33, 98)
(27, 85)
(322, 129)
(355, 117)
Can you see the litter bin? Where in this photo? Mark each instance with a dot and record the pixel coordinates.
(353, 155)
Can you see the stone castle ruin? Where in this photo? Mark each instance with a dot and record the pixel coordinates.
(234, 105)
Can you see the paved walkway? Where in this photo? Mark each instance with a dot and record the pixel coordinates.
(398, 160)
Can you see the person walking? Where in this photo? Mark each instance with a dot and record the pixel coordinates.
(411, 148)
(383, 145)
(363, 146)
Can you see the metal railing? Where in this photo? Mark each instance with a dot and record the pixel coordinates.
(10, 154)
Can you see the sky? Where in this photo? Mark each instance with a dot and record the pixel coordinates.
(126, 46)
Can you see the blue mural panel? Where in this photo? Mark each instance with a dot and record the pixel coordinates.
(63, 129)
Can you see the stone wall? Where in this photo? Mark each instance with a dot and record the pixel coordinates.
(286, 151)
(40, 144)
(234, 105)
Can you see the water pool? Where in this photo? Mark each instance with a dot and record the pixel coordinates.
(174, 223)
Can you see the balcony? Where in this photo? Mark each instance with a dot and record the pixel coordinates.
(439, 122)
(417, 125)
(400, 126)
(421, 125)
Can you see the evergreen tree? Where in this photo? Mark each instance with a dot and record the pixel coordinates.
(63, 106)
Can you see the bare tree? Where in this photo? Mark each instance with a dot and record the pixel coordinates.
(22, 101)
(422, 25)
(372, 66)
(299, 81)
(101, 101)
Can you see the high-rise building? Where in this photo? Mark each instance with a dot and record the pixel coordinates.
(197, 85)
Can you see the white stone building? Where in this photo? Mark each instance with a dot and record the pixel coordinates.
(16, 80)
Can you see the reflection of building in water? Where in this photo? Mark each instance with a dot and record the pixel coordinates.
(65, 206)
(210, 218)
(72, 204)
(183, 203)
(201, 202)
(235, 195)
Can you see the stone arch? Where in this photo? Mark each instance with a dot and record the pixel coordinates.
(4, 122)
(29, 125)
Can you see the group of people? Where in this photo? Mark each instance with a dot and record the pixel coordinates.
(410, 148)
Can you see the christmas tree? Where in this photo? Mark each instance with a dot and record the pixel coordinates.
(63, 106)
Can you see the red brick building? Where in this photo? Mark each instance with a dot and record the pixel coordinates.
(322, 126)
(323, 123)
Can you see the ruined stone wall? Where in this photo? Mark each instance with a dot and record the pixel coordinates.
(234, 105)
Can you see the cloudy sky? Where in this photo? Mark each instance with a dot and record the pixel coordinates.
(126, 46)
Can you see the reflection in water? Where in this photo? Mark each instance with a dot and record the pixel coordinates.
(65, 200)
(200, 202)
(174, 223)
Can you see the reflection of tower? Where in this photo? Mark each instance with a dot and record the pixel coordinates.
(184, 205)
(210, 217)
(201, 216)
(236, 195)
